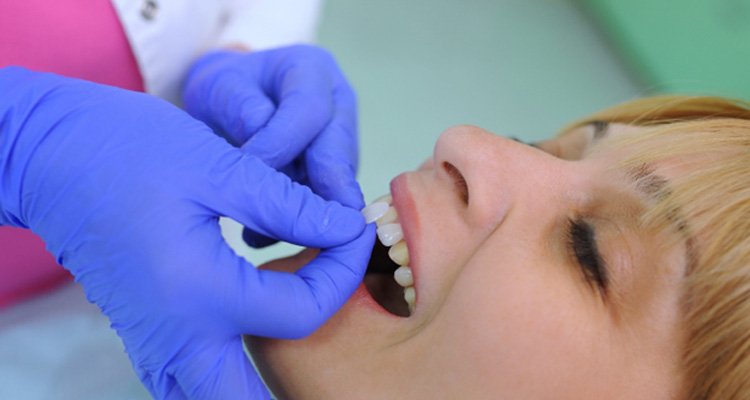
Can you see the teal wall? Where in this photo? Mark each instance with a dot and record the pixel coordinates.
(682, 46)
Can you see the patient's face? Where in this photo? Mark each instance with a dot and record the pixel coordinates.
(533, 280)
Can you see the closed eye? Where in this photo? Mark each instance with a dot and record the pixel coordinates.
(583, 248)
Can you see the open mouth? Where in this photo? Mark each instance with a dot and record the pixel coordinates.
(389, 278)
(381, 285)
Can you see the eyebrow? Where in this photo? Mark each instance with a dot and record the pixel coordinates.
(656, 188)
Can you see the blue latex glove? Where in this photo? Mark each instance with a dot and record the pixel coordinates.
(291, 107)
(126, 191)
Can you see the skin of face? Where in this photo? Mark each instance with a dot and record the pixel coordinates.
(504, 308)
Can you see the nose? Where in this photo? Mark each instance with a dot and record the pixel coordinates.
(493, 174)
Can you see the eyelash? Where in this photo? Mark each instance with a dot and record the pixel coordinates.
(582, 245)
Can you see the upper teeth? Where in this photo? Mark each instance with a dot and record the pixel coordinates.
(399, 253)
(391, 234)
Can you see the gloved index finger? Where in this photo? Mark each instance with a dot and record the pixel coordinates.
(305, 107)
(268, 202)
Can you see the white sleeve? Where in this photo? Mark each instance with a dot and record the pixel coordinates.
(263, 24)
(167, 36)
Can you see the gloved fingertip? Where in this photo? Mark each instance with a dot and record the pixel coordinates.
(349, 194)
(335, 181)
(340, 225)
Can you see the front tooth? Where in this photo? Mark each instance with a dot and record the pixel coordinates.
(390, 234)
(399, 253)
(404, 277)
(389, 217)
(410, 295)
(374, 211)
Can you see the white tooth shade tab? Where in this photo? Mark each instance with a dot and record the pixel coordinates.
(390, 234)
(374, 211)
(403, 276)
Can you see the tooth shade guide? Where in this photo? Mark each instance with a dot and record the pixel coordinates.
(375, 211)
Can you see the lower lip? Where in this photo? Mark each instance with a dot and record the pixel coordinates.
(362, 297)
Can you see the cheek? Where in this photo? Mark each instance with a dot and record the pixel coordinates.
(521, 325)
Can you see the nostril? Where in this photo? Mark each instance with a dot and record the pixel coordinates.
(459, 182)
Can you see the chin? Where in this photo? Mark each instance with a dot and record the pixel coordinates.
(339, 360)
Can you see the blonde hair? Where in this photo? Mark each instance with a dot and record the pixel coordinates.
(714, 195)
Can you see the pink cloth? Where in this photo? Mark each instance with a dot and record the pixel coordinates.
(77, 38)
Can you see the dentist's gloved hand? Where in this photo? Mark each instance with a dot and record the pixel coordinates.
(291, 107)
(126, 190)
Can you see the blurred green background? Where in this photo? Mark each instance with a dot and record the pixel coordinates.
(685, 46)
(517, 67)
